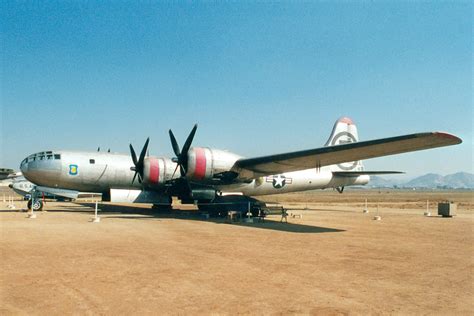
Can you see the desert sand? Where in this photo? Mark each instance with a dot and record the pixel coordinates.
(334, 260)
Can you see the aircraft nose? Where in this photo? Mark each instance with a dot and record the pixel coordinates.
(24, 166)
(42, 168)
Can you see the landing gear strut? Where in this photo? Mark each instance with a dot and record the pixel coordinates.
(340, 189)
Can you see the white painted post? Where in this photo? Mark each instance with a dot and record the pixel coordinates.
(366, 210)
(427, 212)
(10, 203)
(249, 219)
(96, 218)
(377, 217)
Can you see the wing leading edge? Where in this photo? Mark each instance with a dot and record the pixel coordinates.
(307, 159)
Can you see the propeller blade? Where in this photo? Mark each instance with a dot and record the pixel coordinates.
(182, 171)
(175, 145)
(188, 142)
(134, 156)
(139, 164)
(182, 155)
(174, 172)
(143, 153)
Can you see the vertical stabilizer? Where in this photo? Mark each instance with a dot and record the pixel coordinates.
(344, 132)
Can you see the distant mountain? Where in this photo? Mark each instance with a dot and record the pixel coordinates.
(430, 180)
(379, 182)
(460, 180)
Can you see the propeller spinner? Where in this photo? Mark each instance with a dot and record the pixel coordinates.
(182, 155)
(140, 163)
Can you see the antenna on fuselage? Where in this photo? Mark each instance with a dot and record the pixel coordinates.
(98, 148)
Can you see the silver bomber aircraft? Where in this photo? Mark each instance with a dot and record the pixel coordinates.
(206, 176)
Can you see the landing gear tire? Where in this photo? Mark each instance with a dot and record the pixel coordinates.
(38, 206)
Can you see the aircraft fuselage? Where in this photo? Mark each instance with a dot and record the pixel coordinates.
(100, 172)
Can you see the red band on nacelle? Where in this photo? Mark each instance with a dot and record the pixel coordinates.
(154, 170)
(200, 170)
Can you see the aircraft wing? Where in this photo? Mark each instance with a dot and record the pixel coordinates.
(70, 194)
(306, 159)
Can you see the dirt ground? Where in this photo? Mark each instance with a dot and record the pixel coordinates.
(334, 260)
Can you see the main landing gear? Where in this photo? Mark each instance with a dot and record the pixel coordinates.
(222, 205)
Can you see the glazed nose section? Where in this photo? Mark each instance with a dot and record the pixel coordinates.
(31, 169)
(43, 168)
(24, 166)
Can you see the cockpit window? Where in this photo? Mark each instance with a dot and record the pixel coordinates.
(43, 155)
(92, 161)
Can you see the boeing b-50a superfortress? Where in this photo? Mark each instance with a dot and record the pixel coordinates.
(206, 176)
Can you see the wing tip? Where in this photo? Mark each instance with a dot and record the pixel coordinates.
(454, 139)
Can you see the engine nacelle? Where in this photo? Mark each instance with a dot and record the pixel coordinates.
(204, 163)
(157, 171)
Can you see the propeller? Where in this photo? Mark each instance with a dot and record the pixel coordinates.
(182, 155)
(140, 163)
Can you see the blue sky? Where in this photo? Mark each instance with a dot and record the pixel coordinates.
(258, 78)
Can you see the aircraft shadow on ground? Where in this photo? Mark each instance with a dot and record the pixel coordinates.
(146, 213)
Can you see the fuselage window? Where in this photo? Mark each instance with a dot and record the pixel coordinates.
(57, 156)
(92, 161)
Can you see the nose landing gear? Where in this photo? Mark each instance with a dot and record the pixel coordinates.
(37, 206)
(35, 201)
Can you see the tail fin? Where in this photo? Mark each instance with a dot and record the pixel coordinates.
(343, 132)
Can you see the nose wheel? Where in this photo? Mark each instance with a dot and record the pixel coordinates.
(37, 206)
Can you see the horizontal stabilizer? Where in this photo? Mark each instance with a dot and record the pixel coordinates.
(363, 173)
